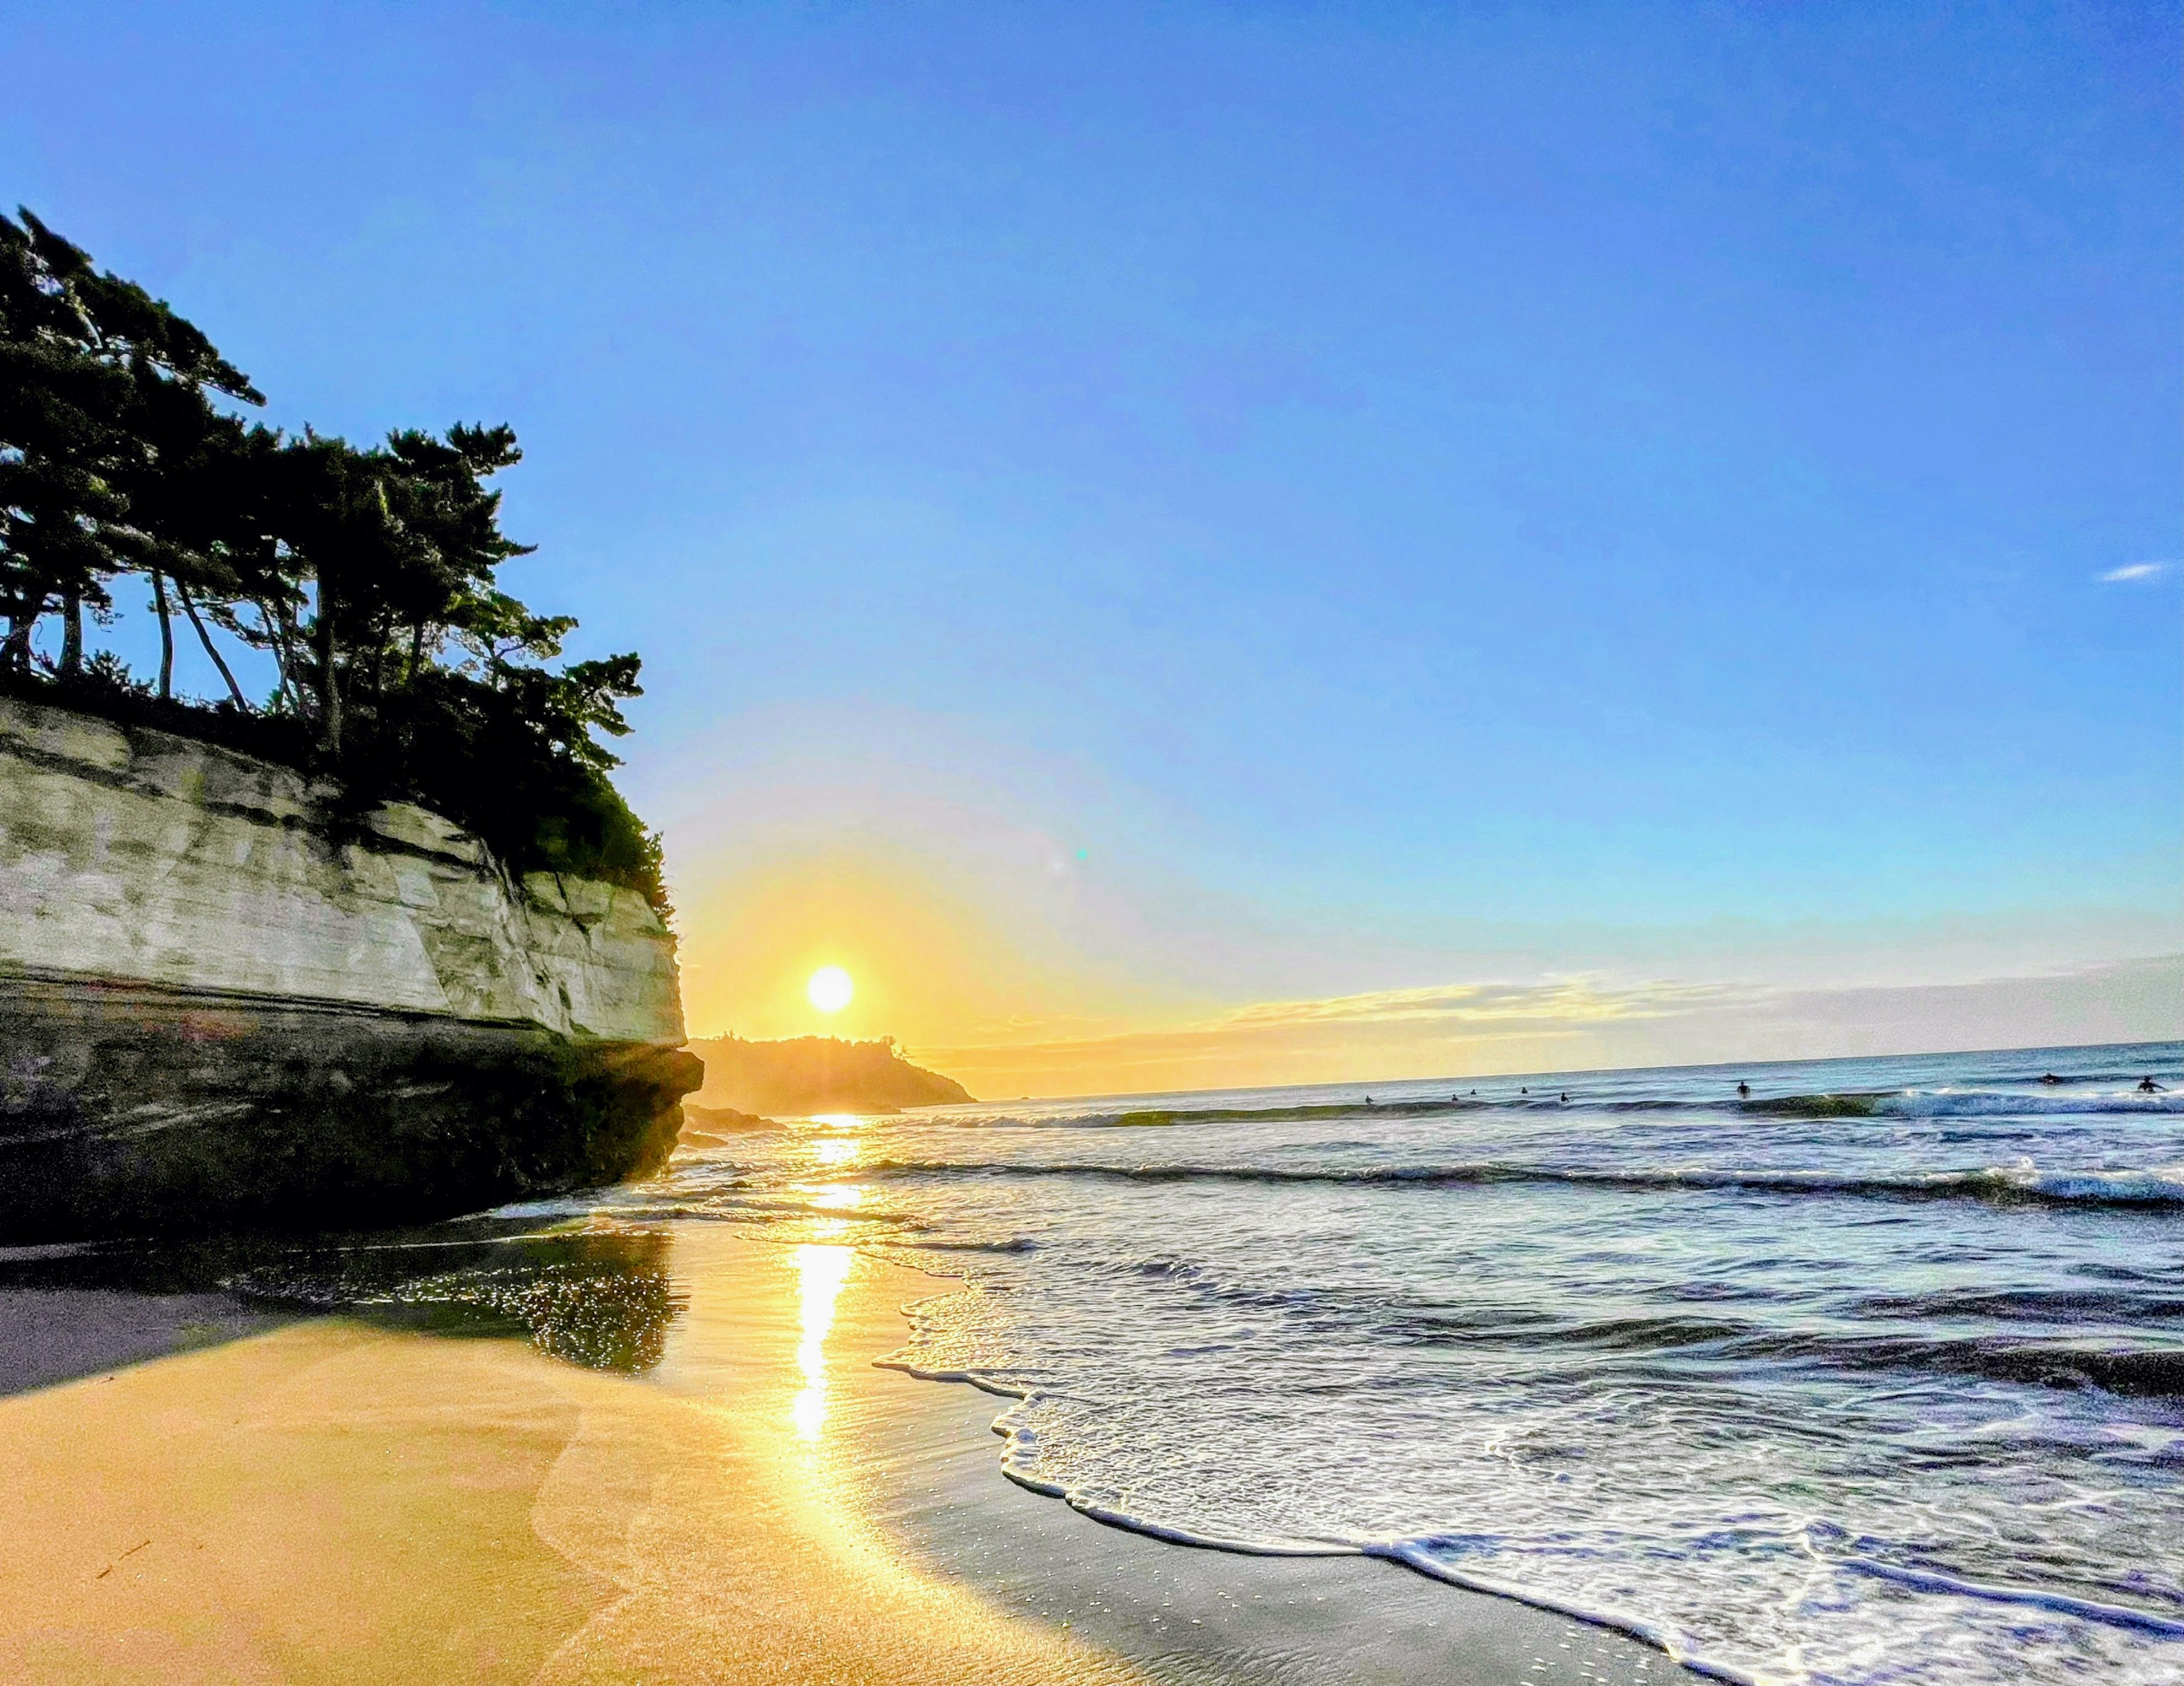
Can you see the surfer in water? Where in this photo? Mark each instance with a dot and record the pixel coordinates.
(1744, 1092)
(2049, 1077)
(2146, 1086)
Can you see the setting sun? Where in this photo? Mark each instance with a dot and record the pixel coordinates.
(830, 989)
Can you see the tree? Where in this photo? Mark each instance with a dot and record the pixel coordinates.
(96, 379)
(367, 574)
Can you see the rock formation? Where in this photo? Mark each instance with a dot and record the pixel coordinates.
(225, 999)
(807, 1075)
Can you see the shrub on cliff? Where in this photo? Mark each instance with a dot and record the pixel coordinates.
(366, 575)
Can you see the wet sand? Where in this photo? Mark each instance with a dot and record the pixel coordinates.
(329, 1502)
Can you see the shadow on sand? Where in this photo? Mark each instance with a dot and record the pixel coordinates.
(598, 1298)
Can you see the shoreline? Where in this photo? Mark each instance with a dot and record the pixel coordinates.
(1398, 1556)
(322, 1500)
(923, 1460)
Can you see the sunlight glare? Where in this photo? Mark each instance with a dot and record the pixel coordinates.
(830, 989)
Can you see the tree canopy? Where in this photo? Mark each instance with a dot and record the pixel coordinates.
(368, 575)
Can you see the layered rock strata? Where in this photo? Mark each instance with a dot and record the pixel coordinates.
(224, 1000)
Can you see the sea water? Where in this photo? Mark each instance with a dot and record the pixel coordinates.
(1876, 1375)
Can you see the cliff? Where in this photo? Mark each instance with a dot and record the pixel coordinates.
(813, 1074)
(221, 998)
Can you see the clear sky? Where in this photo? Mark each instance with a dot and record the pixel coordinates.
(1200, 543)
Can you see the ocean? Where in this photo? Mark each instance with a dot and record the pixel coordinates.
(1874, 1374)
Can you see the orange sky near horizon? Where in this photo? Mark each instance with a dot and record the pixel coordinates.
(976, 981)
(931, 966)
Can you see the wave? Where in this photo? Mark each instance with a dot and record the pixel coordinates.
(2001, 1103)
(1019, 1461)
(2130, 1364)
(1158, 1118)
(2145, 1374)
(1431, 1556)
(944, 1244)
(2153, 1297)
(2069, 1364)
(1858, 1103)
(2064, 1604)
(2011, 1185)
(1959, 1103)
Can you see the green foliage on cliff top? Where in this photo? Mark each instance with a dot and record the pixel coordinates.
(366, 574)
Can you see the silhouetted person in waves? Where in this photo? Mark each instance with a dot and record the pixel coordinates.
(2146, 1086)
(1744, 1092)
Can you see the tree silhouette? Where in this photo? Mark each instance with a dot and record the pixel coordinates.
(368, 575)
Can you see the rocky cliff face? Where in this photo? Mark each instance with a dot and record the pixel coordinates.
(220, 999)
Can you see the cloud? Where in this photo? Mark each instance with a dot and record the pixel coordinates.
(1382, 1032)
(1566, 1024)
(2137, 573)
(1560, 1003)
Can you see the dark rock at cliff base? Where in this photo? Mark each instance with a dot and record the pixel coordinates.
(719, 1126)
(137, 1109)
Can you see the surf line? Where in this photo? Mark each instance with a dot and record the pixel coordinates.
(1018, 1443)
(2089, 1610)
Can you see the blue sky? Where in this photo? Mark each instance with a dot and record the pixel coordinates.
(1409, 493)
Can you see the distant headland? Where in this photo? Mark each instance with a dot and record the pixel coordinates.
(809, 1075)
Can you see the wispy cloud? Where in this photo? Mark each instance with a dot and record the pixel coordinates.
(1563, 1024)
(1558, 1002)
(1292, 1041)
(2137, 573)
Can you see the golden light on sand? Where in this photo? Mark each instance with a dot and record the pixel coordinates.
(830, 989)
(821, 1272)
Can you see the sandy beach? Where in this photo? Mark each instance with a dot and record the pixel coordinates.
(327, 1501)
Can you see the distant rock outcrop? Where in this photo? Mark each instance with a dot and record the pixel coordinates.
(814, 1075)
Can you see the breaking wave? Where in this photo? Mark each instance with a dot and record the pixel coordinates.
(2003, 1184)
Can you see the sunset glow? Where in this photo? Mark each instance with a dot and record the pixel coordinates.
(830, 989)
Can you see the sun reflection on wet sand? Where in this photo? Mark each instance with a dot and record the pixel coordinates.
(821, 1272)
(470, 1509)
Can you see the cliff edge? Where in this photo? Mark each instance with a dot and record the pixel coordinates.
(224, 999)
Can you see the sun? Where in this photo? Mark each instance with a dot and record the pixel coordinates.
(830, 989)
